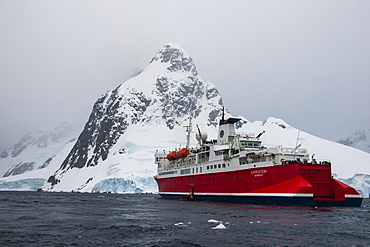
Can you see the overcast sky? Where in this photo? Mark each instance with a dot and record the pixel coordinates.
(306, 62)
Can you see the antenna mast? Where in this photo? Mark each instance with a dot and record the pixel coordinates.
(296, 143)
(188, 129)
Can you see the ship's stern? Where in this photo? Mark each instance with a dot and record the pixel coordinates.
(328, 191)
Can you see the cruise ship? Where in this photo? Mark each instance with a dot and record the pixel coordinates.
(238, 168)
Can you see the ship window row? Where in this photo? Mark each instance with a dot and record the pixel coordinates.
(190, 170)
(216, 166)
(249, 144)
(254, 159)
(167, 173)
(292, 150)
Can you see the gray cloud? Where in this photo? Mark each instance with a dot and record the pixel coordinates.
(305, 61)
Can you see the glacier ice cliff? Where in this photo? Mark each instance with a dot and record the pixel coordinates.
(120, 185)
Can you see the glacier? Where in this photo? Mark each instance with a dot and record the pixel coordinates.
(120, 185)
(31, 184)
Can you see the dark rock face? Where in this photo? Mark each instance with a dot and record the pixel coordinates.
(52, 180)
(212, 117)
(180, 102)
(212, 93)
(46, 163)
(176, 59)
(20, 169)
(101, 132)
(107, 122)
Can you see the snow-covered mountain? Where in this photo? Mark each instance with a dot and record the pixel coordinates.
(360, 140)
(115, 150)
(36, 149)
(159, 99)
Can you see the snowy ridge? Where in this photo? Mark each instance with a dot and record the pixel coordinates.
(115, 150)
(31, 180)
(360, 140)
(35, 150)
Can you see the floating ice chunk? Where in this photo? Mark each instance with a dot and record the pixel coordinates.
(181, 224)
(220, 226)
(213, 221)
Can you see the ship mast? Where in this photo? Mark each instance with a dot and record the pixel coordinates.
(188, 130)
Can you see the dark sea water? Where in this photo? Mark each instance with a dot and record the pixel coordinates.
(74, 219)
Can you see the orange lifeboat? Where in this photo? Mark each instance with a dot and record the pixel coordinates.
(172, 155)
(182, 153)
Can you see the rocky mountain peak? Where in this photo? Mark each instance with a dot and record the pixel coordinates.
(167, 92)
(176, 58)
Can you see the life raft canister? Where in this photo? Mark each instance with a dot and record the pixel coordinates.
(172, 155)
(182, 153)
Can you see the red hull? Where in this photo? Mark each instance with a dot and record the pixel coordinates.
(310, 184)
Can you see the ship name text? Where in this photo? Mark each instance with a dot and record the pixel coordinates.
(258, 173)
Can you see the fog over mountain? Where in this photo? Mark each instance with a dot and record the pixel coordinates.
(305, 62)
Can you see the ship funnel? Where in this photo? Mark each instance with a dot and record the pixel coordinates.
(226, 130)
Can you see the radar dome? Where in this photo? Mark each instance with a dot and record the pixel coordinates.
(203, 136)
